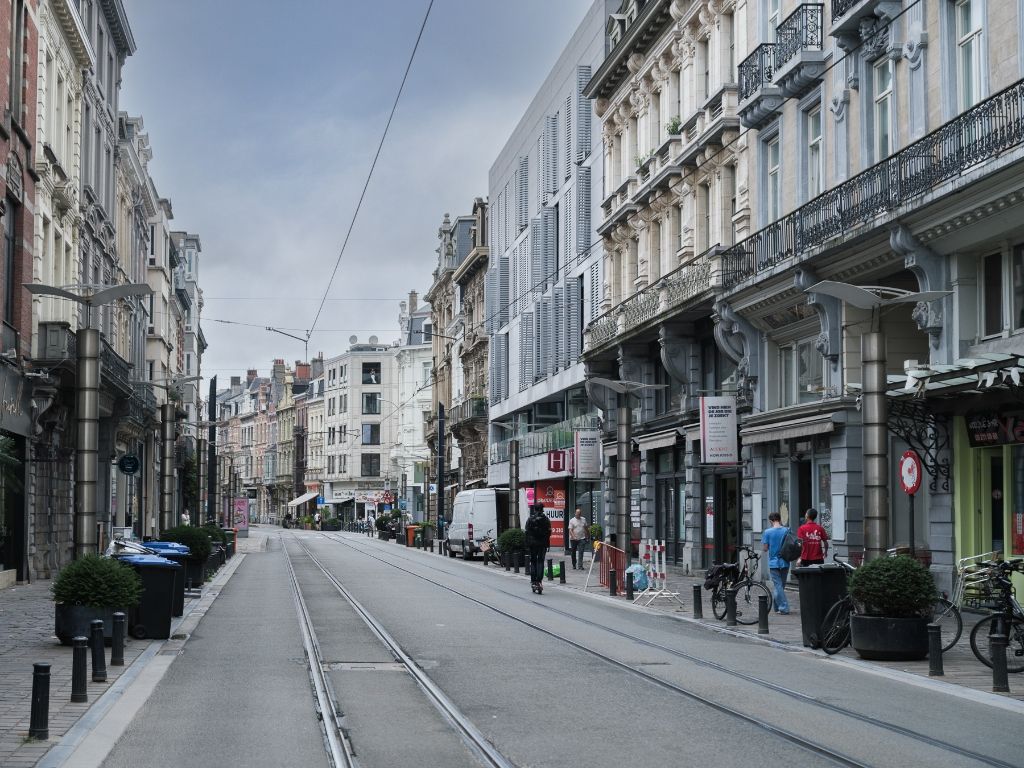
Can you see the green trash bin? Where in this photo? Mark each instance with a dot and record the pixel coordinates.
(232, 541)
(821, 586)
(417, 538)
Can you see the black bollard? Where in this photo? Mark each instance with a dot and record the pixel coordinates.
(38, 727)
(935, 651)
(516, 568)
(629, 586)
(99, 662)
(551, 569)
(561, 571)
(117, 643)
(698, 608)
(612, 583)
(762, 614)
(79, 660)
(730, 607)
(997, 646)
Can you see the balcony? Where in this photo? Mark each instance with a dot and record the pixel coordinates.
(57, 346)
(471, 409)
(676, 292)
(981, 133)
(848, 14)
(116, 371)
(799, 59)
(760, 98)
(706, 129)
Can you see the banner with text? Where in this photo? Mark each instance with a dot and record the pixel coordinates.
(588, 454)
(719, 443)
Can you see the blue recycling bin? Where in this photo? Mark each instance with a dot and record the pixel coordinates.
(151, 618)
(180, 554)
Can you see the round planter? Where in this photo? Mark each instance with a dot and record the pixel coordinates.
(880, 638)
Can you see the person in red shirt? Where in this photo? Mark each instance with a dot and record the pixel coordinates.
(814, 539)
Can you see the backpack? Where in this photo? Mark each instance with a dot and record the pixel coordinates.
(791, 547)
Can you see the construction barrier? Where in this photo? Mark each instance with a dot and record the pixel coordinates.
(607, 558)
(652, 558)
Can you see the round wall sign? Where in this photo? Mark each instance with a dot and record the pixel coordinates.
(128, 464)
(910, 472)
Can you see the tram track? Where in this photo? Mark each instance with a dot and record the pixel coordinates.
(717, 667)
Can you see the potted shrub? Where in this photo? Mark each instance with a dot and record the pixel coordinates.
(893, 598)
(674, 126)
(199, 546)
(382, 525)
(331, 524)
(428, 533)
(512, 543)
(89, 588)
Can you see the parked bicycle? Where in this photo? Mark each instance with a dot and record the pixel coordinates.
(1008, 619)
(834, 634)
(489, 548)
(722, 576)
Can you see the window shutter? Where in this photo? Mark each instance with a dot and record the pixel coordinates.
(558, 329)
(549, 244)
(490, 300)
(549, 156)
(566, 209)
(536, 258)
(522, 194)
(546, 338)
(507, 204)
(572, 321)
(492, 370)
(567, 140)
(583, 108)
(526, 351)
(502, 366)
(595, 291)
(503, 286)
(583, 210)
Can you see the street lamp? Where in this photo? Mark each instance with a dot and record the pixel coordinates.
(874, 422)
(513, 470)
(624, 411)
(303, 339)
(86, 536)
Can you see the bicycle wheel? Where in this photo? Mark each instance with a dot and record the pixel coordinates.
(718, 602)
(1014, 648)
(747, 594)
(946, 615)
(834, 634)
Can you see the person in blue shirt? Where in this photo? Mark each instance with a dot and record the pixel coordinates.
(779, 568)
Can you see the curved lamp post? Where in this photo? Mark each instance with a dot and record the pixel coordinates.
(86, 536)
(875, 409)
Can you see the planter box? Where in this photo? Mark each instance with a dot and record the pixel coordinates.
(883, 639)
(72, 621)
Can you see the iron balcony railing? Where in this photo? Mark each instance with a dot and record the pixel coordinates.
(842, 7)
(468, 410)
(757, 70)
(116, 370)
(981, 133)
(552, 438)
(800, 31)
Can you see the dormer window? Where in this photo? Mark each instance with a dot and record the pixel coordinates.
(616, 28)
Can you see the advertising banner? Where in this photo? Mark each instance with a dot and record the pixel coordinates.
(551, 493)
(241, 514)
(588, 454)
(719, 442)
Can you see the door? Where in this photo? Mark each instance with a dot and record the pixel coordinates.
(992, 501)
(727, 527)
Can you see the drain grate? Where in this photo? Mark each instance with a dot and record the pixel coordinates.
(362, 666)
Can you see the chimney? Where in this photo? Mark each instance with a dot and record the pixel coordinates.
(236, 385)
(413, 296)
(301, 371)
(317, 368)
(250, 376)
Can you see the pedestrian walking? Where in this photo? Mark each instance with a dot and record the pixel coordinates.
(316, 521)
(577, 537)
(538, 534)
(814, 540)
(772, 540)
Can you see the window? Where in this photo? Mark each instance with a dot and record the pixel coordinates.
(1017, 281)
(773, 185)
(17, 73)
(992, 293)
(801, 373)
(371, 434)
(968, 52)
(371, 373)
(344, 404)
(10, 249)
(426, 374)
(882, 89)
(773, 19)
(371, 402)
(815, 165)
(370, 465)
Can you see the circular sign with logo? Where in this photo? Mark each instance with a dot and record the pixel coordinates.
(128, 464)
(910, 472)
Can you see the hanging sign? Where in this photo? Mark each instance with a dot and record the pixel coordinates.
(719, 443)
(128, 464)
(910, 472)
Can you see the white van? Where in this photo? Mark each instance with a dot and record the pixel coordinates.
(478, 513)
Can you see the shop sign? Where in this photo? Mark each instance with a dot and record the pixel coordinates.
(719, 443)
(556, 461)
(588, 454)
(984, 429)
(128, 464)
(551, 493)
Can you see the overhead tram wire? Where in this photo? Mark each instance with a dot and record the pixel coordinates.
(373, 165)
(554, 274)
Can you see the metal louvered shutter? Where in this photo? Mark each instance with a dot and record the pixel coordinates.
(567, 156)
(548, 247)
(549, 157)
(536, 258)
(522, 194)
(558, 339)
(595, 291)
(501, 368)
(491, 300)
(502, 292)
(546, 338)
(566, 210)
(492, 370)
(572, 320)
(527, 354)
(583, 107)
(583, 204)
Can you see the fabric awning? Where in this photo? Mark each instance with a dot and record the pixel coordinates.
(303, 498)
(664, 439)
(820, 424)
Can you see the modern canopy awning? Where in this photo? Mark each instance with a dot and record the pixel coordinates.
(804, 427)
(303, 499)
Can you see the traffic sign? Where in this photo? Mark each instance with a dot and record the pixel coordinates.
(910, 472)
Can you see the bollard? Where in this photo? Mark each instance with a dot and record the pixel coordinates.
(117, 642)
(762, 614)
(730, 607)
(629, 586)
(612, 583)
(551, 569)
(515, 569)
(561, 571)
(935, 651)
(99, 662)
(698, 609)
(79, 660)
(38, 727)
(997, 647)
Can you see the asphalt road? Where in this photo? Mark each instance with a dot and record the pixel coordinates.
(535, 683)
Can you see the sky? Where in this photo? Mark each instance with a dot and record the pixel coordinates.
(264, 123)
